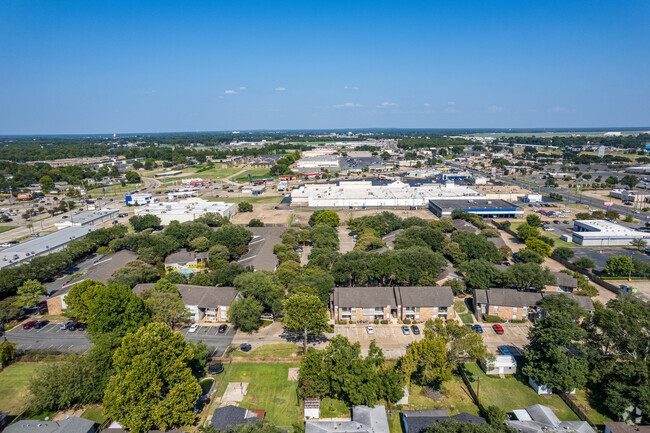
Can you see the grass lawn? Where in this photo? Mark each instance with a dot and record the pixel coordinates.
(274, 199)
(6, 228)
(589, 405)
(513, 392)
(275, 350)
(115, 189)
(456, 398)
(466, 317)
(256, 173)
(54, 317)
(13, 383)
(460, 306)
(558, 241)
(268, 389)
(94, 413)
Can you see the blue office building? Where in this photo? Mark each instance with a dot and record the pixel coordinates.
(486, 208)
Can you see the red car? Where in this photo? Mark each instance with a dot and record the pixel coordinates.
(497, 328)
(29, 324)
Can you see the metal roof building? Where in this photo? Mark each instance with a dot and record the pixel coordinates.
(42, 245)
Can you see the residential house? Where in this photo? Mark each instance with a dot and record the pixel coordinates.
(541, 419)
(502, 364)
(623, 427)
(418, 421)
(265, 161)
(364, 420)
(71, 424)
(184, 259)
(464, 226)
(564, 283)
(370, 303)
(211, 304)
(233, 416)
(512, 304)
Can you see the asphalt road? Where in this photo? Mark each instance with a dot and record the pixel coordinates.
(51, 337)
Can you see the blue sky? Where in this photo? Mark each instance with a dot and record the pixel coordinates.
(156, 66)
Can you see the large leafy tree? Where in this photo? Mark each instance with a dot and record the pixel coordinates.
(164, 304)
(305, 314)
(246, 313)
(553, 356)
(481, 274)
(526, 231)
(80, 298)
(341, 372)
(262, 286)
(153, 386)
(328, 217)
(619, 361)
(528, 275)
(116, 310)
(142, 222)
(29, 293)
(432, 359)
(256, 427)
(453, 426)
(619, 265)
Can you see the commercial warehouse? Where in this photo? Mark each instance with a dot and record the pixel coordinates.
(365, 194)
(89, 218)
(186, 210)
(481, 206)
(42, 245)
(602, 233)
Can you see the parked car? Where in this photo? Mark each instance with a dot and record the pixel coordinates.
(41, 323)
(415, 329)
(504, 350)
(73, 326)
(194, 327)
(556, 221)
(470, 326)
(64, 325)
(478, 329)
(81, 326)
(370, 330)
(30, 324)
(245, 347)
(405, 330)
(223, 328)
(497, 328)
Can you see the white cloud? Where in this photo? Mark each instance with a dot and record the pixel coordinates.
(351, 88)
(495, 109)
(280, 89)
(347, 105)
(230, 92)
(387, 104)
(452, 103)
(558, 109)
(243, 88)
(426, 104)
(221, 97)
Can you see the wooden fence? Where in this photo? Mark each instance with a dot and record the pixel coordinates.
(580, 414)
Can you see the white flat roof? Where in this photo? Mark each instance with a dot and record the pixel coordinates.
(189, 206)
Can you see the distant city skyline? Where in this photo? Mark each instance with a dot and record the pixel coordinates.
(129, 67)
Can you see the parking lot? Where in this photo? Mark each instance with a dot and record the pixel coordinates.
(515, 335)
(600, 255)
(53, 338)
(389, 337)
(49, 337)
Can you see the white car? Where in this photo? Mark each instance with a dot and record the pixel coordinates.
(635, 211)
(370, 330)
(194, 327)
(592, 210)
(549, 229)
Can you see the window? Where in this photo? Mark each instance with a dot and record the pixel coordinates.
(417, 309)
(496, 308)
(514, 309)
(435, 309)
(514, 317)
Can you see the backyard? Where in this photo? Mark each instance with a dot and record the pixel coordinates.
(268, 388)
(275, 350)
(14, 382)
(513, 392)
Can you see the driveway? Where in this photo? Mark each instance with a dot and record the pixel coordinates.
(390, 338)
(514, 335)
(346, 242)
(209, 334)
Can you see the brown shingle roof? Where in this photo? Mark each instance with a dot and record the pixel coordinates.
(369, 297)
(202, 296)
(425, 296)
(184, 255)
(564, 280)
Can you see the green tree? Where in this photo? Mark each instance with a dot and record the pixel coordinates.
(550, 358)
(165, 307)
(250, 427)
(134, 273)
(612, 215)
(525, 231)
(46, 184)
(494, 415)
(246, 313)
(611, 181)
(538, 246)
(564, 252)
(116, 310)
(153, 386)
(584, 263)
(29, 293)
(200, 356)
(453, 426)
(305, 314)
(142, 222)
(480, 274)
(619, 266)
(639, 243)
(629, 180)
(255, 223)
(529, 256)
(288, 271)
(245, 206)
(7, 352)
(529, 275)
(327, 217)
(263, 287)
(200, 244)
(534, 220)
(218, 252)
(80, 298)
(132, 177)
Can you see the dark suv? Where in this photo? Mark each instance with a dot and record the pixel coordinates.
(41, 323)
